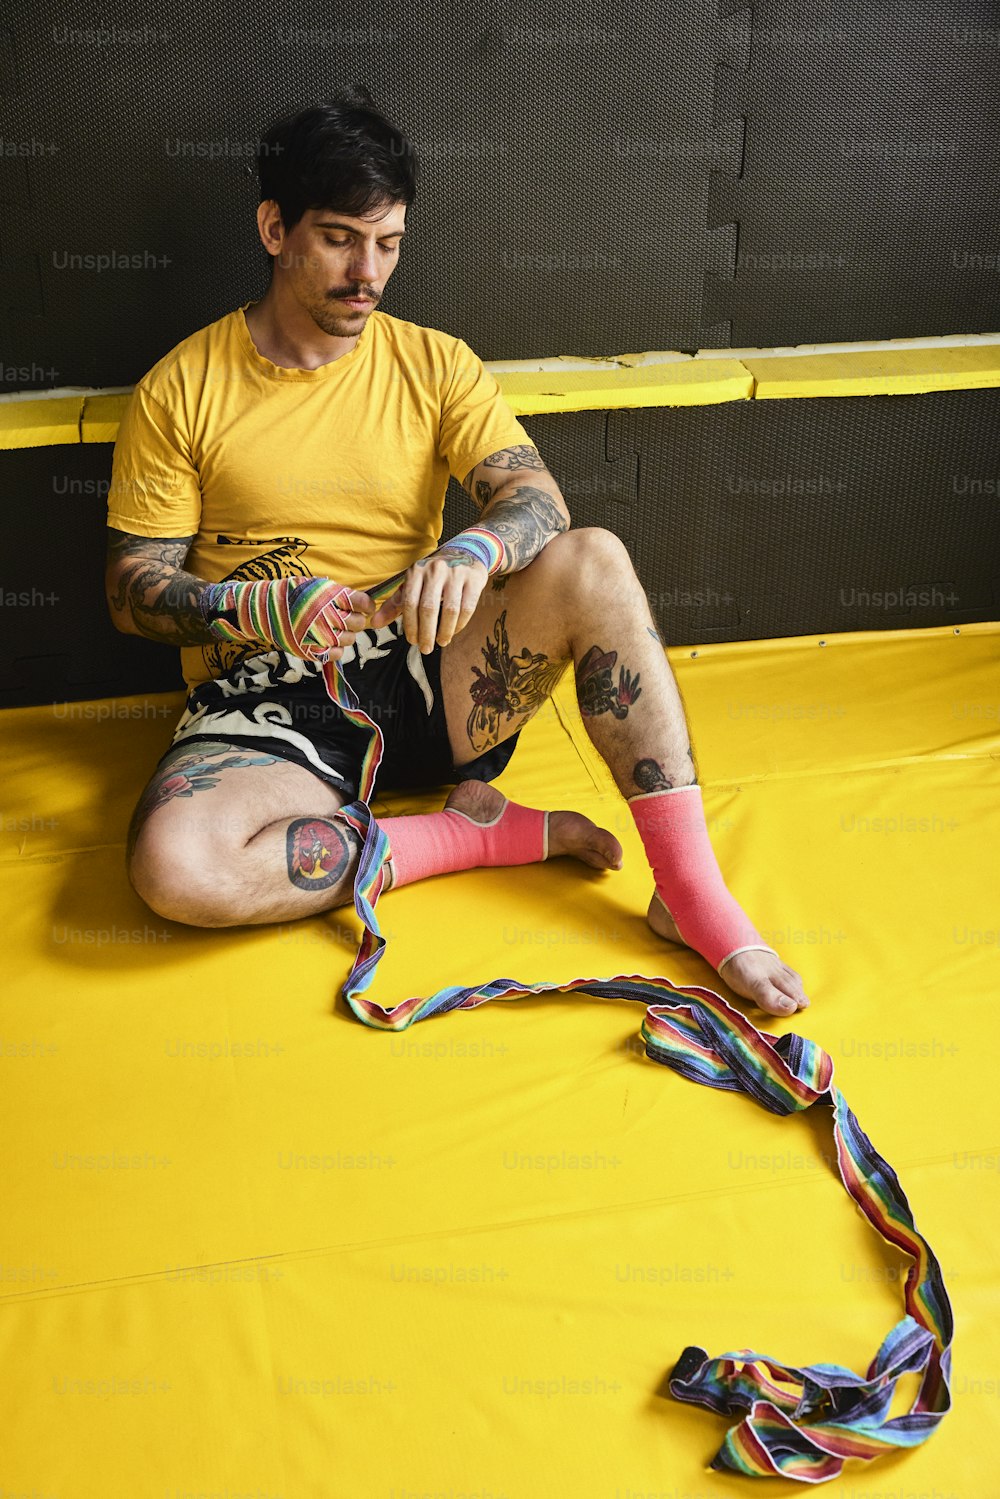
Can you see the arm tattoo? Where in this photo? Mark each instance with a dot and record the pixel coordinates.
(454, 556)
(522, 456)
(148, 585)
(525, 520)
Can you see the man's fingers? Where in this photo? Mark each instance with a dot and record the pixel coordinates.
(456, 612)
(452, 619)
(420, 616)
(412, 598)
(427, 620)
(437, 602)
(335, 640)
(387, 611)
(354, 617)
(361, 602)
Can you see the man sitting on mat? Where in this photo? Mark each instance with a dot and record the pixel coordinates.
(309, 435)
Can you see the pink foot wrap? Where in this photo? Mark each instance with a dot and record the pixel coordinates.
(437, 842)
(688, 878)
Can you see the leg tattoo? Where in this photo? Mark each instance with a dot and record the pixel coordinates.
(510, 685)
(195, 770)
(318, 851)
(595, 689)
(649, 775)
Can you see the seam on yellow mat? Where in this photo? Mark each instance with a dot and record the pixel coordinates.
(927, 757)
(610, 386)
(55, 856)
(865, 372)
(175, 697)
(604, 783)
(835, 638)
(568, 712)
(806, 1178)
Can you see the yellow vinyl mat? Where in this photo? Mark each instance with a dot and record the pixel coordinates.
(253, 1249)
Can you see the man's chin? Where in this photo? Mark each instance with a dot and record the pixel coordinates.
(342, 324)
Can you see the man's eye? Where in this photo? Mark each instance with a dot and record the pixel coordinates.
(342, 244)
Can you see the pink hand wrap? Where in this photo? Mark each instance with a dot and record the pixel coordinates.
(688, 879)
(304, 616)
(438, 842)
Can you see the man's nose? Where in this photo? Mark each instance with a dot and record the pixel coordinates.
(364, 264)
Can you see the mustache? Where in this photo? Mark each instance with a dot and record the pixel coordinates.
(370, 295)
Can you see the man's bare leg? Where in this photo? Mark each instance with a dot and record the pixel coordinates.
(579, 600)
(224, 836)
(229, 836)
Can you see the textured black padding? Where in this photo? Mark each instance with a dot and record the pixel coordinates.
(867, 205)
(58, 642)
(756, 519)
(744, 521)
(635, 177)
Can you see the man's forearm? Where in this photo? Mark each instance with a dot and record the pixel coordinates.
(150, 594)
(525, 517)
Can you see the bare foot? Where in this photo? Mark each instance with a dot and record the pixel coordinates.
(758, 976)
(569, 832)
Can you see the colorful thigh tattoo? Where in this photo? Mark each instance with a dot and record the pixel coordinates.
(195, 769)
(318, 851)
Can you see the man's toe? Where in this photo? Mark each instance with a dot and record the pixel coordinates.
(791, 984)
(775, 1002)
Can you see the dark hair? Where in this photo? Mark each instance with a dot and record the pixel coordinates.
(342, 155)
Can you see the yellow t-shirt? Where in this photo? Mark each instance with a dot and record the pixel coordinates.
(336, 472)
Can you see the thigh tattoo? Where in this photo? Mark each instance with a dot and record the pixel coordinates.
(319, 852)
(192, 770)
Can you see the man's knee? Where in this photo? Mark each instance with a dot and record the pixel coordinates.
(178, 877)
(586, 546)
(185, 877)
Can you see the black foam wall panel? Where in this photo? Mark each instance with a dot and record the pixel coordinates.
(744, 521)
(641, 176)
(595, 181)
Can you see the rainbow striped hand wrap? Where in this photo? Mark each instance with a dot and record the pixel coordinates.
(304, 616)
(480, 543)
(795, 1423)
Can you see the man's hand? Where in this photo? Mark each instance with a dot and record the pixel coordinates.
(437, 597)
(363, 615)
(316, 618)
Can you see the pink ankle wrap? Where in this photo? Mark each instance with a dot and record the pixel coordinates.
(437, 842)
(688, 879)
